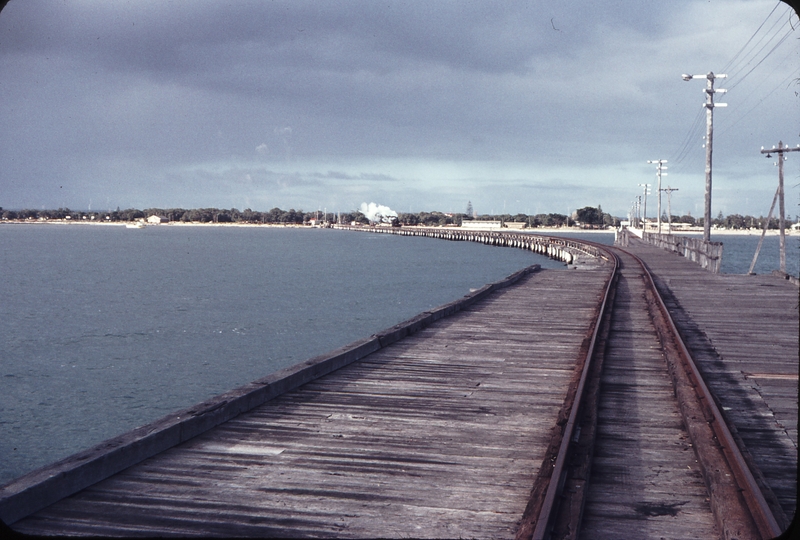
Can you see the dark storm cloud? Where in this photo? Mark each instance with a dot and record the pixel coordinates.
(402, 63)
(105, 96)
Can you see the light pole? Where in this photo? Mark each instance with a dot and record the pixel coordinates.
(709, 105)
(644, 209)
(659, 167)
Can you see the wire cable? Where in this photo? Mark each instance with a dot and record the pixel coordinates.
(727, 66)
(785, 36)
(754, 107)
(690, 137)
(747, 57)
(769, 35)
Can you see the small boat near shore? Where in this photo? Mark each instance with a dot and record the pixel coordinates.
(137, 225)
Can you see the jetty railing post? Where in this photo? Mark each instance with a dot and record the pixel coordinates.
(707, 254)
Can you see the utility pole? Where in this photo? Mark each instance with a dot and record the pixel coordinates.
(780, 150)
(644, 210)
(639, 210)
(709, 105)
(669, 191)
(659, 167)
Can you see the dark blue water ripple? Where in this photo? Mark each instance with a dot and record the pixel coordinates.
(106, 328)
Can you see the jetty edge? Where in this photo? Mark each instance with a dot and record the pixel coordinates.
(42, 487)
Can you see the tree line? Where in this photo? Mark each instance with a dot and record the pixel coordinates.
(585, 217)
(195, 215)
(440, 219)
(279, 216)
(732, 221)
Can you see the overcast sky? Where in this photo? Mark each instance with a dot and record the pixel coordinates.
(532, 107)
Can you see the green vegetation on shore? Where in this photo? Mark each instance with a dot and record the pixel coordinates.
(274, 216)
(586, 217)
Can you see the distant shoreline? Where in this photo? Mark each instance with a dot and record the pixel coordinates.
(534, 230)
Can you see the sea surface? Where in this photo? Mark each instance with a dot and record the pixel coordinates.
(104, 328)
(738, 252)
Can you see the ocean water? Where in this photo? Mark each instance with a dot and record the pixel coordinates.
(106, 328)
(738, 252)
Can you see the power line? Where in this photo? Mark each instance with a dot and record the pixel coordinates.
(693, 129)
(764, 79)
(771, 33)
(754, 107)
(709, 106)
(739, 117)
(659, 173)
(729, 65)
(746, 59)
(689, 139)
(786, 35)
(780, 150)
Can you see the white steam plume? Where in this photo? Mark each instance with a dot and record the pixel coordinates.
(377, 213)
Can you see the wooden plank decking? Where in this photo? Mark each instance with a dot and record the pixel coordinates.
(743, 333)
(438, 435)
(645, 481)
(442, 433)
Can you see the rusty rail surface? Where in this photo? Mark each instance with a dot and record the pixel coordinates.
(738, 504)
(739, 501)
(554, 489)
(754, 502)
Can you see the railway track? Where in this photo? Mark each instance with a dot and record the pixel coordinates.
(446, 423)
(644, 451)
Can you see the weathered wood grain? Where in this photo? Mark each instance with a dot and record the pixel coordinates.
(644, 480)
(736, 325)
(438, 435)
(441, 434)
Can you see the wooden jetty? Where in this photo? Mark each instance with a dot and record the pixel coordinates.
(743, 333)
(644, 472)
(437, 435)
(457, 422)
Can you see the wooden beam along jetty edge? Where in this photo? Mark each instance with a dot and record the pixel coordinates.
(562, 497)
(559, 248)
(44, 486)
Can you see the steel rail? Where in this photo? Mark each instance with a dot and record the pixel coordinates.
(556, 483)
(756, 503)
